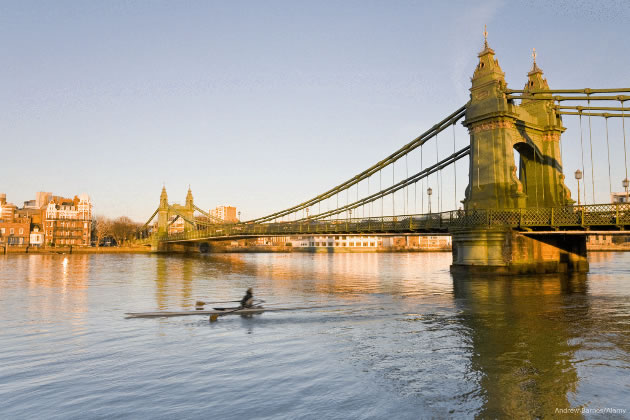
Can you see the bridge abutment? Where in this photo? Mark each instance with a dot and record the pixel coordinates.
(505, 251)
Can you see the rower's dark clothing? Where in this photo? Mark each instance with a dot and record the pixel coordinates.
(248, 300)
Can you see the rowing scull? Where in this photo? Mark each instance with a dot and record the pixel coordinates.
(247, 311)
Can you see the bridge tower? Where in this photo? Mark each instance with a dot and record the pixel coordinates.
(501, 132)
(502, 135)
(189, 210)
(163, 213)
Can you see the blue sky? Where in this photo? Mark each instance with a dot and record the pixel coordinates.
(264, 104)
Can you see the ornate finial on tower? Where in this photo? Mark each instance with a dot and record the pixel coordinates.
(535, 68)
(486, 47)
(534, 55)
(535, 79)
(485, 36)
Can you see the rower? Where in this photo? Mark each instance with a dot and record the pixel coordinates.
(248, 299)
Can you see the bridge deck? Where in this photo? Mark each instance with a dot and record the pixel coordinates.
(602, 217)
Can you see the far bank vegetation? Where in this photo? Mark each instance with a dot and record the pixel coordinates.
(122, 230)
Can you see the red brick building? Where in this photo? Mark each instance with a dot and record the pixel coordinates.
(68, 221)
(15, 231)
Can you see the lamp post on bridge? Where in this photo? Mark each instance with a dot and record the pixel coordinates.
(349, 213)
(578, 176)
(429, 192)
(625, 183)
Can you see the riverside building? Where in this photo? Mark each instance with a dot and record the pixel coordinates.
(14, 229)
(225, 213)
(68, 221)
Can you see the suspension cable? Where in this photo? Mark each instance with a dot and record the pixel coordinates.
(393, 196)
(417, 142)
(582, 150)
(608, 149)
(401, 184)
(406, 189)
(590, 139)
(421, 184)
(437, 175)
(454, 170)
(371, 204)
(625, 155)
(380, 187)
(415, 198)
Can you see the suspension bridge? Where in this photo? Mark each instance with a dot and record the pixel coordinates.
(516, 213)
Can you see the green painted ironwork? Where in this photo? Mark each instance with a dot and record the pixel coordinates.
(607, 216)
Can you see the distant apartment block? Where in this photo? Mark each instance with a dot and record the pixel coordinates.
(225, 213)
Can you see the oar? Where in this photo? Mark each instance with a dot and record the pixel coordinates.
(215, 317)
(202, 303)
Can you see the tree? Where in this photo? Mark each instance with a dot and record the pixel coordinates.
(123, 229)
(101, 227)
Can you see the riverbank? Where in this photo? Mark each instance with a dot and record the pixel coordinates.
(74, 250)
(319, 249)
(608, 247)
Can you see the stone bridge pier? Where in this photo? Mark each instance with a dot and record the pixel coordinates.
(515, 163)
(506, 251)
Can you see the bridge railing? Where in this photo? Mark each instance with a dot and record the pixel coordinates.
(557, 217)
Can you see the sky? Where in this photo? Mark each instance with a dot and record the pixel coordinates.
(262, 105)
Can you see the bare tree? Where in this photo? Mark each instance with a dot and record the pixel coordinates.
(101, 227)
(123, 229)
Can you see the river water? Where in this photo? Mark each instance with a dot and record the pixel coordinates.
(401, 338)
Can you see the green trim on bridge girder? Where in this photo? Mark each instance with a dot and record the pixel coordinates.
(605, 216)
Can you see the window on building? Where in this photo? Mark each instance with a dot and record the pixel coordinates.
(21, 231)
(11, 231)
